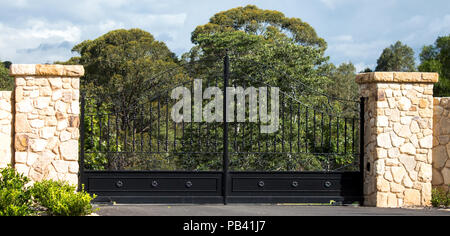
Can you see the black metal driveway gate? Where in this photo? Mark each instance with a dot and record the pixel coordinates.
(137, 154)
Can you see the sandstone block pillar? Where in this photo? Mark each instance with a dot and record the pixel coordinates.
(441, 143)
(47, 121)
(398, 138)
(6, 118)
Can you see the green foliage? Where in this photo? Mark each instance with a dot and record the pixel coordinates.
(343, 84)
(265, 48)
(124, 66)
(60, 199)
(6, 81)
(47, 197)
(436, 58)
(15, 199)
(254, 21)
(96, 139)
(397, 57)
(440, 197)
(263, 45)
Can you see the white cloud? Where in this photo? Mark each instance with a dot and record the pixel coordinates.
(343, 38)
(359, 50)
(333, 3)
(441, 25)
(362, 66)
(14, 41)
(153, 20)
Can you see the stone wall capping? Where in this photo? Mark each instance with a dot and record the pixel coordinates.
(46, 70)
(397, 77)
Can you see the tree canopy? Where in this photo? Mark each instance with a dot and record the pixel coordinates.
(263, 44)
(397, 57)
(254, 21)
(436, 58)
(6, 81)
(124, 65)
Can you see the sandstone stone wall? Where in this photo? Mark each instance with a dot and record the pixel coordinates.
(441, 143)
(47, 121)
(398, 138)
(6, 119)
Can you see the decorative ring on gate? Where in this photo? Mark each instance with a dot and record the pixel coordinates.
(155, 184)
(119, 184)
(328, 184)
(189, 184)
(295, 184)
(261, 184)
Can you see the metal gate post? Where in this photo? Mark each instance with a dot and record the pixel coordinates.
(225, 129)
(361, 143)
(82, 137)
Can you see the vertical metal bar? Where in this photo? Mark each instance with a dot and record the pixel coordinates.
(329, 141)
(337, 134)
(174, 137)
(150, 129)
(306, 128)
(330, 132)
(290, 135)
(182, 135)
(167, 124)
(345, 136)
(92, 129)
(251, 137)
(259, 136)
(108, 133)
(125, 122)
(159, 127)
(298, 129)
(117, 131)
(314, 132)
(100, 130)
(361, 138)
(321, 138)
(134, 132)
(225, 130)
(81, 171)
(282, 124)
(141, 125)
(353, 136)
(207, 137)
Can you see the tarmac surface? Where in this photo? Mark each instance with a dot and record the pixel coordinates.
(260, 210)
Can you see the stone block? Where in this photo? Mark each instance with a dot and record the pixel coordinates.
(69, 150)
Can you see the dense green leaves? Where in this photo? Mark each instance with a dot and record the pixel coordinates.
(123, 66)
(254, 21)
(6, 81)
(19, 198)
(397, 57)
(15, 199)
(60, 199)
(436, 58)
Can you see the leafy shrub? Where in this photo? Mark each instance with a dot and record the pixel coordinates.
(440, 197)
(60, 199)
(15, 198)
(43, 198)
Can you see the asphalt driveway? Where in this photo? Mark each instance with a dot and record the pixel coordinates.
(260, 210)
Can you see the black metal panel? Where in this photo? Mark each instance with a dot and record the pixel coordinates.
(205, 187)
(294, 187)
(154, 187)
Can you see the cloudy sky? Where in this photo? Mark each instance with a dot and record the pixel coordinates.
(42, 31)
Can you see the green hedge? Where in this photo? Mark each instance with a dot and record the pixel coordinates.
(42, 198)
